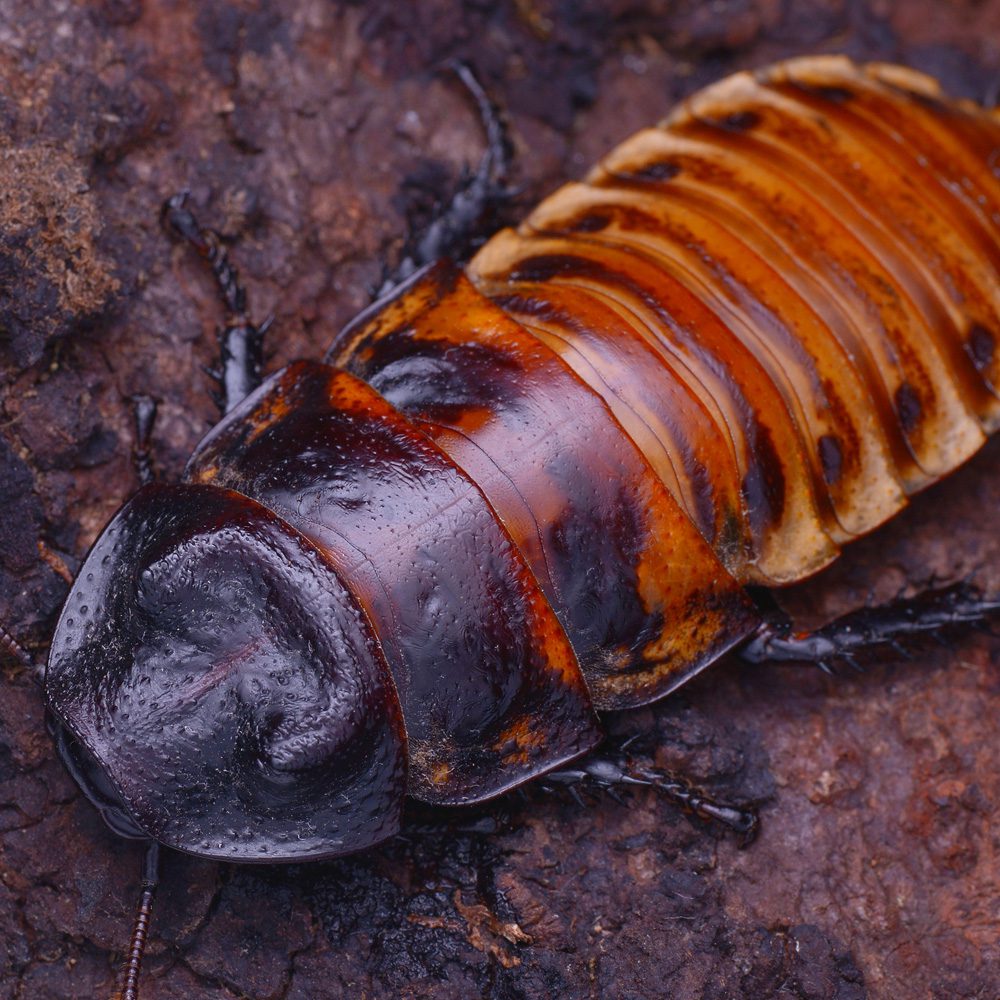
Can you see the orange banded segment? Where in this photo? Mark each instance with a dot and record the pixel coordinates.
(662, 413)
(779, 498)
(911, 128)
(845, 403)
(949, 145)
(747, 290)
(830, 265)
(641, 595)
(953, 238)
(927, 264)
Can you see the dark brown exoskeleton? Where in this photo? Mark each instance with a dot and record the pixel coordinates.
(519, 493)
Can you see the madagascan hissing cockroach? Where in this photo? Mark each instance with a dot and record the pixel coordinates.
(521, 492)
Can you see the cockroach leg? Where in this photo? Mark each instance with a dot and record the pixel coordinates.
(613, 774)
(240, 341)
(424, 825)
(144, 411)
(133, 964)
(459, 227)
(928, 613)
(35, 667)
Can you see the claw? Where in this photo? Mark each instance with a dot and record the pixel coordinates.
(900, 650)
(617, 796)
(852, 662)
(748, 835)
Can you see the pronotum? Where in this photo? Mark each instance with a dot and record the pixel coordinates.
(518, 493)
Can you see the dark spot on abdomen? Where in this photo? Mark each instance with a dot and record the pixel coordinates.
(544, 267)
(908, 407)
(981, 346)
(764, 483)
(835, 95)
(832, 459)
(738, 121)
(592, 222)
(664, 170)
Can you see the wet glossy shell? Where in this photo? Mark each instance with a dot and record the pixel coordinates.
(488, 682)
(788, 293)
(643, 598)
(216, 668)
(538, 486)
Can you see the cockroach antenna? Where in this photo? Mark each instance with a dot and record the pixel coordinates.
(140, 931)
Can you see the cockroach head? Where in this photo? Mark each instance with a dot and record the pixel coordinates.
(214, 673)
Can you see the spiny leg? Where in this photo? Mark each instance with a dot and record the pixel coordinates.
(137, 947)
(459, 225)
(928, 613)
(614, 772)
(240, 341)
(34, 667)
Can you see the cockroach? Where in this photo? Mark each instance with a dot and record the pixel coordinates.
(521, 492)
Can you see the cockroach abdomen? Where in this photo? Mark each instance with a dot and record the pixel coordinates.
(644, 599)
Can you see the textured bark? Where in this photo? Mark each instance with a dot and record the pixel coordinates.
(306, 132)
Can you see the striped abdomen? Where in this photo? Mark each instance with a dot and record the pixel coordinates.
(811, 255)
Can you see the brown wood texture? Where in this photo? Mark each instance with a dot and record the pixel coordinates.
(305, 131)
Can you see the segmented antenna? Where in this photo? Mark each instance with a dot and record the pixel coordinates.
(133, 965)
